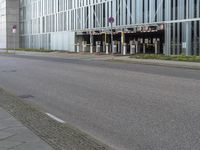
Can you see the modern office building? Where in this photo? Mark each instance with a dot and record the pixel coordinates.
(142, 26)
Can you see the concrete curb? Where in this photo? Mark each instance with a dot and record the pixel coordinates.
(161, 63)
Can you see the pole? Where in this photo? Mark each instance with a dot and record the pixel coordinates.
(111, 37)
(14, 44)
(105, 38)
(14, 30)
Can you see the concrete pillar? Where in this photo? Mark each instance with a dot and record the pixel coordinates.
(11, 14)
(195, 37)
(188, 38)
(122, 40)
(105, 38)
(167, 47)
(91, 43)
(104, 43)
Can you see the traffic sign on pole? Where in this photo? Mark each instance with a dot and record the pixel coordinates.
(111, 21)
(14, 28)
(14, 31)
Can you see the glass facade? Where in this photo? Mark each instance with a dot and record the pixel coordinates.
(53, 23)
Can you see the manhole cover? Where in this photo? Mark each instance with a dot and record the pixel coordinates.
(26, 96)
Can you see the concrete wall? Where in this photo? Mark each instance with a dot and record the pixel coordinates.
(3, 24)
(12, 18)
(63, 41)
(9, 16)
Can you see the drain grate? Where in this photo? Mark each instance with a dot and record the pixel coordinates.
(26, 96)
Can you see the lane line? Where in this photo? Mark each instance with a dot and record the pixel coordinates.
(55, 118)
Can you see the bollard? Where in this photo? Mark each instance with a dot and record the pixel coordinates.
(144, 48)
(119, 47)
(104, 47)
(156, 48)
(107, 48)
(124, 49)
(91, 49)
(98, 48)
(84, 48)
(137, 47)
(78, 48)
(133, 49)
(114, 48)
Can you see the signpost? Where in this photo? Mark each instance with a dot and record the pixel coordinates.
(14, 31)
(111, 21)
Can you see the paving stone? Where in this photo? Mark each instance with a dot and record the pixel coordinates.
(15, 136)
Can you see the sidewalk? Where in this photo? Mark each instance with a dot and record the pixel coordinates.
(14, 136)
(156, 62)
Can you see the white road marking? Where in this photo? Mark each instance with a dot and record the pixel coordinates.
(55, 118)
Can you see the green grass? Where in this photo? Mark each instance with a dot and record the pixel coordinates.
(164, 57)
(31, 50)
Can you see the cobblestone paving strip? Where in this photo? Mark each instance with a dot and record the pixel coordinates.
(59, 136)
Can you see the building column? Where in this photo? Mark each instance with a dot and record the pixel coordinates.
(91, 43)
(167, 48)
(188, 38)
(195, 39)
(122, 41)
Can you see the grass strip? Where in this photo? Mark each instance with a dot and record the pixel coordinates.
(170, 58)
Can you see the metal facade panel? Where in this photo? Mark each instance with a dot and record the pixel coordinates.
(42, 17)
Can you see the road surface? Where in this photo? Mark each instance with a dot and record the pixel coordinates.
(128, 106)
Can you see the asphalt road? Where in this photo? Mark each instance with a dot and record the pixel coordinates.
(128, 106)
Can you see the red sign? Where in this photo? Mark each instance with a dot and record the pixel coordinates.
(14, 29)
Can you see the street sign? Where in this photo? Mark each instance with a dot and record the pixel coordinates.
(111, 20)
(14, 29)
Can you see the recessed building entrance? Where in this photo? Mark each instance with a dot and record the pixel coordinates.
(127, 41)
